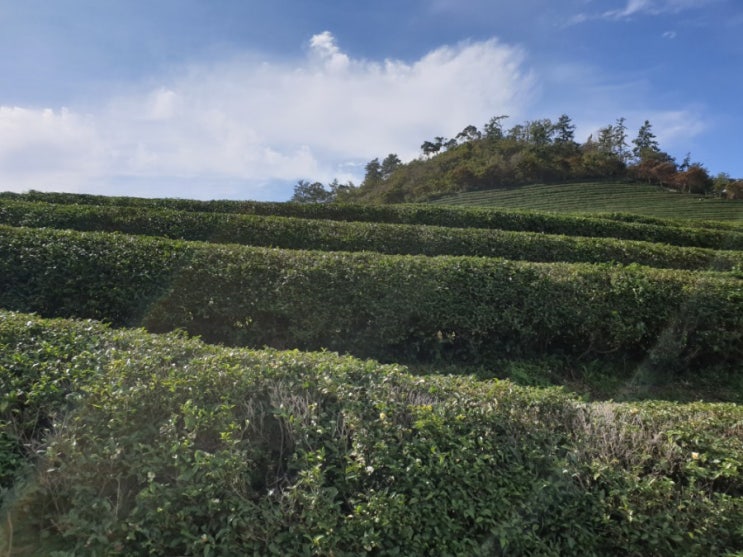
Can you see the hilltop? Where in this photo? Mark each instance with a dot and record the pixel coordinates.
(535, 152)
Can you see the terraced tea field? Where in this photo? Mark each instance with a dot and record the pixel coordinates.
(412, 380)
(638, 199)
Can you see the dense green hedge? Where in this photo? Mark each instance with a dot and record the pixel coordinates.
(173, 447)
(525, 221)
(294, 233)
(393, 308)
(731, 225)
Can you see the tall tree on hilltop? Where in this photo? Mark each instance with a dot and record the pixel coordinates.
(539, 132)
(373, 175)
(470, 133)
(606, 139)
(311, 192)
(518, 133)
(430, 148)
(564, 130)
(494, 128)
(621, 148)
(341, 192)
(645, 143)
(390, 163)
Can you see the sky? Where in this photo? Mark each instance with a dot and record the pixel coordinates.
(240, 99)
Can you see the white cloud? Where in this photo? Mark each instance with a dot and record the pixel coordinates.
(654, 7)
(250, 122)
(47, 147)
(675, 128)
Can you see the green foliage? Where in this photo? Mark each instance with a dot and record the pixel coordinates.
(173, 447)
(42, 368)
(294, 233)
(393, 308)
(668, 232)
(101, 276)
(599, 198)
(537, 151)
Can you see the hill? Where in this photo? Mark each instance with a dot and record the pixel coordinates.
(535, 152)
(602, 197)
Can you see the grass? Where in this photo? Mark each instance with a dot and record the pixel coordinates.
(640, 199)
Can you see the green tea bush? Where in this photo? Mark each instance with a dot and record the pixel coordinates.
(420, 214)
(393, 308)
(42, 367)
(326, 235)
(180, 448)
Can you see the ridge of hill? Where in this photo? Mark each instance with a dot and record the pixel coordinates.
(535, 152)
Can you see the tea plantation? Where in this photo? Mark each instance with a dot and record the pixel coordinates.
(384, 380)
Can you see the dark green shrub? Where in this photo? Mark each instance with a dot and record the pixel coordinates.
(179, 448)
(391, 308)
(42, 369)
(326, 235)
(458, 217)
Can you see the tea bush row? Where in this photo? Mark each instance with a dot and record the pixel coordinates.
(294, 233)
(166, 446)
(392, 308)
(729, 225)
(458, 217)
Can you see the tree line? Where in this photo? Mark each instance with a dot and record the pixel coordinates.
(535, 151)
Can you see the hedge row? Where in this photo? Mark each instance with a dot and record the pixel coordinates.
(294, 233)
(393, 308)
(173, 447)
(734, 226)
(459, 217)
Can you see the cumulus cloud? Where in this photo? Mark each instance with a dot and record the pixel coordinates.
(243, 123)
(51, 147)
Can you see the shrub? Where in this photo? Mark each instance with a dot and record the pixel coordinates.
(458, 217)
(295, 233)
(181, 448)
(393, 308)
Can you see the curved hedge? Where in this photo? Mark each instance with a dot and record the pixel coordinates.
(393, 308)
(173, 447)
(429, 215)
(294, 233)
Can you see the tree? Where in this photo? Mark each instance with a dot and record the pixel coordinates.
(564, 130)
(430, 148)
(645, 142)
(620, 140)
(721, 182)
(606, 140)
(341, 192)
(518, 133)
(539, 132)
(655, 167)
(470, 133)
(390, 163)
(373, 173)
(315, 192)
(686, 163)
(734, 190)
(695, 179)
(494, 128)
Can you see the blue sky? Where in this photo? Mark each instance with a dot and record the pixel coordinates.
(241, 98)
